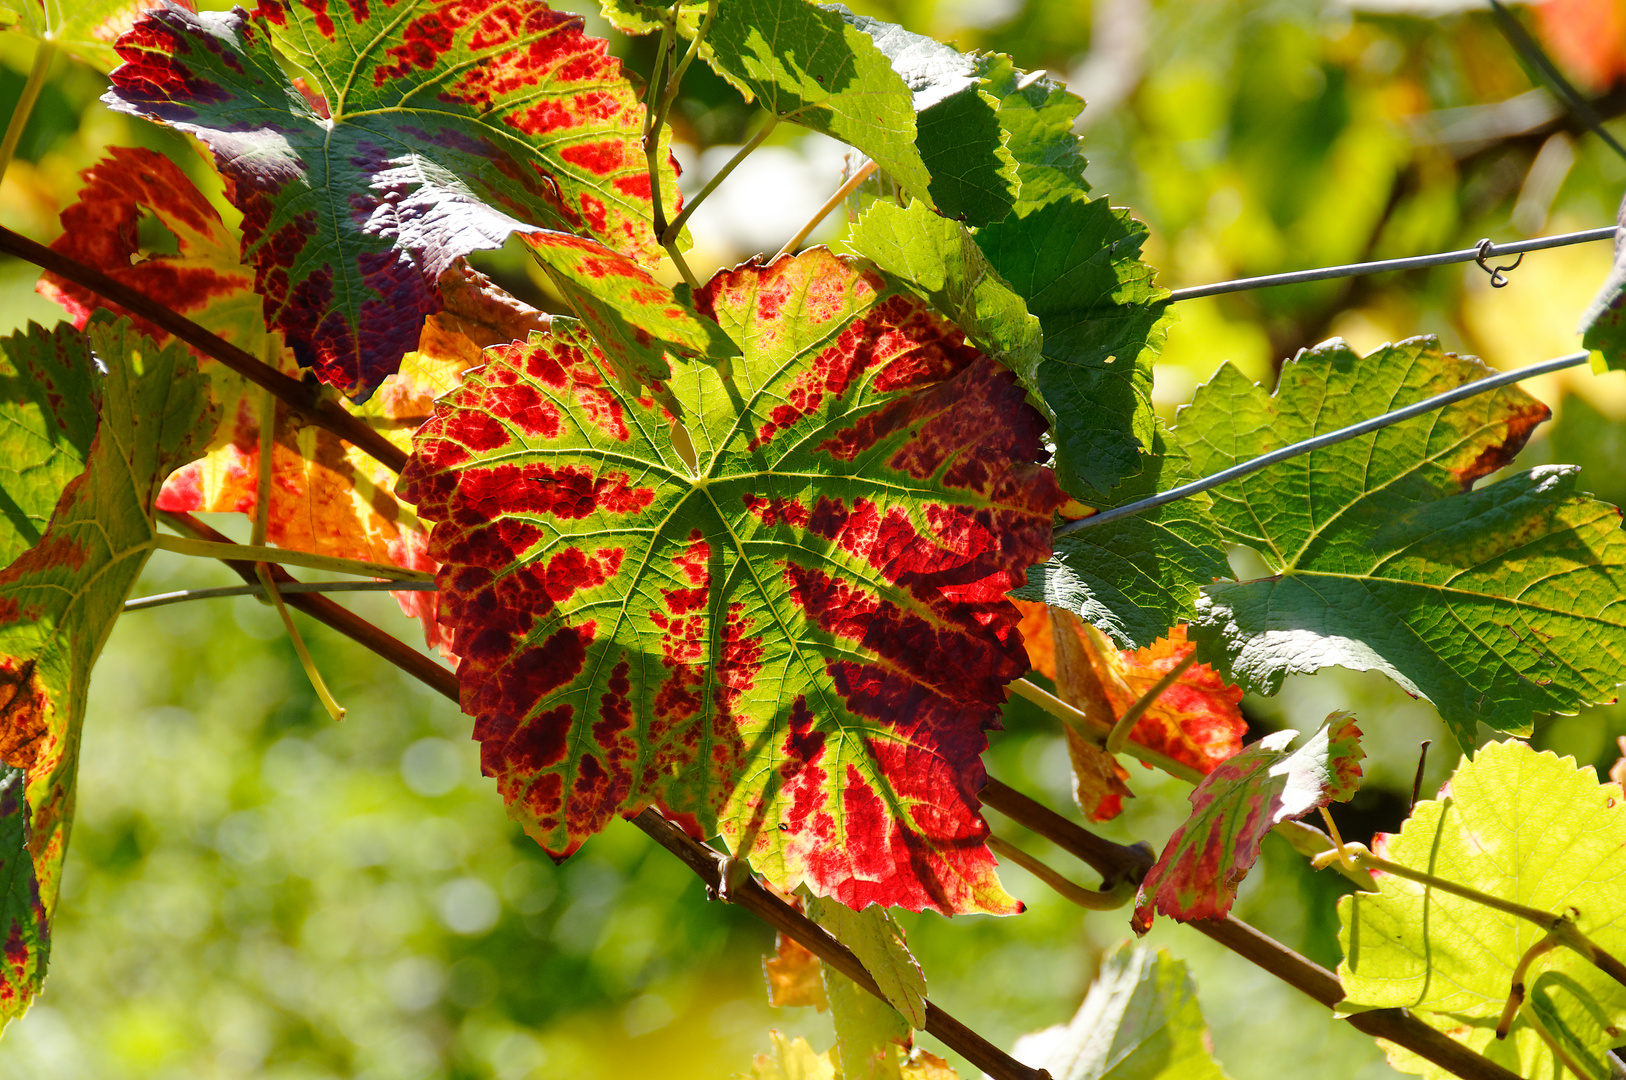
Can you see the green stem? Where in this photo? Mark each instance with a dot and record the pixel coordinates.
(206, 549)
(1553, 1044)
(823, 212)
(43, 55)
(1096, 733)
(1361, 856)
(1105, 900)
(334, 709)
(676, 228)
(1119, 735)
(1515, 996)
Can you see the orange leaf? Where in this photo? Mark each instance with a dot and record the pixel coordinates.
(794, 976)
(1036, 635)
(1586, 37)
(1197, 721)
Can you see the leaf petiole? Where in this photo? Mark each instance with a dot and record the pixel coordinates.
(1096, 733)
(1119, 735)
(846, 189)
(43, 55)
(1555, 1046)
(1515, 997)
(676, 227)
(205, 549)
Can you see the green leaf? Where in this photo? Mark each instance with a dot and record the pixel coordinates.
(1136, 577)
(1235, 806)
(1139, 1021)
(24, 925)
(421, 131)
(1522, 826)
(48, 391)
(1078, 265)
(1494, 604)
(875, 937)
(869, 1032)
(942, 261)
(86, 30)
(59, 599)
(800, 639)
(1603, 326)
(1037, 115)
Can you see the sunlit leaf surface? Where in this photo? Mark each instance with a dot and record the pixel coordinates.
(798, 640)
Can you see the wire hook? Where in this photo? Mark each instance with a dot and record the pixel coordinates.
(1498, 274)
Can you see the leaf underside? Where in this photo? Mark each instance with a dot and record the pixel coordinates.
(1494, 604)
(431, 128)
(801, 641)
(1523, 826)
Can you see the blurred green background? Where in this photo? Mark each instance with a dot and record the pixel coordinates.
(253, 891)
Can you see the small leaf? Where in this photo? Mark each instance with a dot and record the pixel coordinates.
(869, 1032)
(1494, 604)
(1232, 810)
(47, 422)
(793, 1059)
(1139, 1021)
(1100, 783)
(25, 924)
(59, 599)
(1078, 265)
(457, 124)
(875, 937)
(1527, 827)
(1603, 326)
(1136, 577)
(795, 976)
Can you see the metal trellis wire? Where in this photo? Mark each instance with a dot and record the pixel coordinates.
(1438, 401)
(141, 603)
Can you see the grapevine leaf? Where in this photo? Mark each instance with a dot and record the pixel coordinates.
(922, 1064)
(24, 923)
(633, 317)
(1136, 577)
(862, 497)
(1100, 783)
(1078, 265)
(1523, 826)
(86, 30)
(1037, 115)
(973, 176)
(793, 1059)
(48, 393)
(1139, 1021)
(1603, 326)
(875, 937)
(1036, 636)
(58, 601)
(942, 261)
(1232, 810)
(1494, 604)
(433, 128)
(869, 1032)
(794, 974)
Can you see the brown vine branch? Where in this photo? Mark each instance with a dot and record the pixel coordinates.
(1118, 862)
(323, 610)
(749, 894)
(296, 395)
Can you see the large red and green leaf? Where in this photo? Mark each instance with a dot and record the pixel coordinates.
(425, 130)
(1235, 806)
(59, 599)
(1495, 603)
(25, 928)
(800, 639)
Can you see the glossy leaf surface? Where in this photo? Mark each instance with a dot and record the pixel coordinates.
(1523, 826)
(799, 640)
(1494, 604)
(435, 128)
(59, 599)
(1139, 1021)
(47, 422)
(1235, 806)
